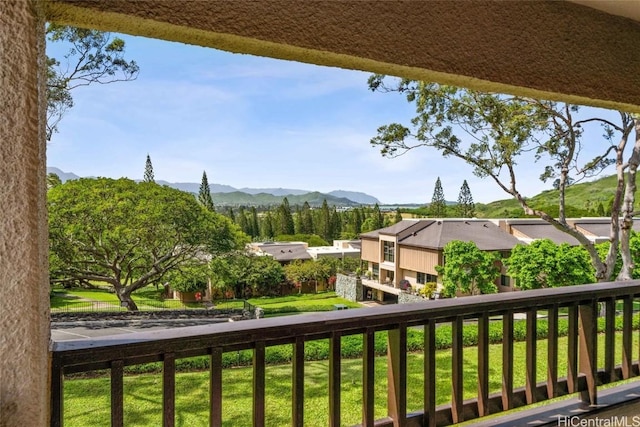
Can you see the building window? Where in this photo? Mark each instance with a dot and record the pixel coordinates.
(423, 278)
(375, 269)
(505, 280)
(388, 251)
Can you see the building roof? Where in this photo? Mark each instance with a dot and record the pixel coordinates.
(485, 234)
(598, 227)
(403, 227)
(539, 229)
(284, 251)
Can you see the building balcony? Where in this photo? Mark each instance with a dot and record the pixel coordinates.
(582, 306)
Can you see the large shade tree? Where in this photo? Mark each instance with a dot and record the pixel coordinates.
(129, 235)
(494, 133)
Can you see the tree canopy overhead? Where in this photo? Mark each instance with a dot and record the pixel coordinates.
(129, 234)
(93, 57)
(494, 133)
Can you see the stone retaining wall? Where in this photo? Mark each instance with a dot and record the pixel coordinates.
(236, 314)
(405, 298)
(349, 287)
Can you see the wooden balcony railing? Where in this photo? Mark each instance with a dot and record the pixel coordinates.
(581, 304)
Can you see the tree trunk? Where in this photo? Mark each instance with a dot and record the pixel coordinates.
(125, 298)
(626, 273)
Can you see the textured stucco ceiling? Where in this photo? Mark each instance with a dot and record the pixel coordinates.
(550, 49)
(627, 8)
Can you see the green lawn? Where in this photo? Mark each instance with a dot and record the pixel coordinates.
(299, 303)
(87, 400)
(149, 298)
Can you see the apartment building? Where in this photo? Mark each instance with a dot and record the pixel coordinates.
(411, 249)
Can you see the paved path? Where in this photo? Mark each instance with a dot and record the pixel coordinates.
(64, 331)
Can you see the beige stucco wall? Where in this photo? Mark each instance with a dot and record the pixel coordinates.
(24, 300)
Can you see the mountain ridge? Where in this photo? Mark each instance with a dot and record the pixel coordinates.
(230, 196)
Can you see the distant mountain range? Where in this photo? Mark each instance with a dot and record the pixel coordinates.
(230, 196)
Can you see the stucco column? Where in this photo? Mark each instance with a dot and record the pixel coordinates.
(24, 301)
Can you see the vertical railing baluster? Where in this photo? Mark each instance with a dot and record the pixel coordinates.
(258, 384)
(457, 360)
(588, 349)
(483, 364)
(627, 336)
(430, 374)
(397, 374)
(531, 356)
(507, 361)
(368, 378)
(117, 393)
(215, 388)
(168, 390)
(610, 339)
(335, 380)
(297, 383)
(552, 352)
(57, 392)
(572, 349)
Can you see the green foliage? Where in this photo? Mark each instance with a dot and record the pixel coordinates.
(148, 171)
(204, 194)
(544, 264)
(53, 180)
(285, 218)
(468, 269)
(428, 289)
(129, 234)
(377, 220)
(438, 206)
(246, 275)
(93, 57)
(583, 199)
(192, 277)
(310, 239)
(301, 272)
(466, 207)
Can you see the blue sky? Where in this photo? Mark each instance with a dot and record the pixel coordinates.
(252, 122)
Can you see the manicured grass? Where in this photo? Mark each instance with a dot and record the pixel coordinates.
(299, 303)
(149, 298)
(87, 400)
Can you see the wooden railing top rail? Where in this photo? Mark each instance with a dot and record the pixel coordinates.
(146, 346)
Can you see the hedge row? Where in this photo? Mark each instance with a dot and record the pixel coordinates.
(352, 345)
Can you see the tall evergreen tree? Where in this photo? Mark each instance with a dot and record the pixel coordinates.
(286, 218)
(325, 221)
(204, 195)
(306, 223)
(377, 217)
(336, 224)
(267, 226)
(438, 206)
(255, 228)
(242, 220)
(357, 219)
(148, 171)
(230, 214)
(297, 220)
(466, 207)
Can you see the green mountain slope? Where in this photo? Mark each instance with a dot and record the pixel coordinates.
(315, 199)
(581, 200)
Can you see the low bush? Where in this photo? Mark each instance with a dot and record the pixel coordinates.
(352, 345)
